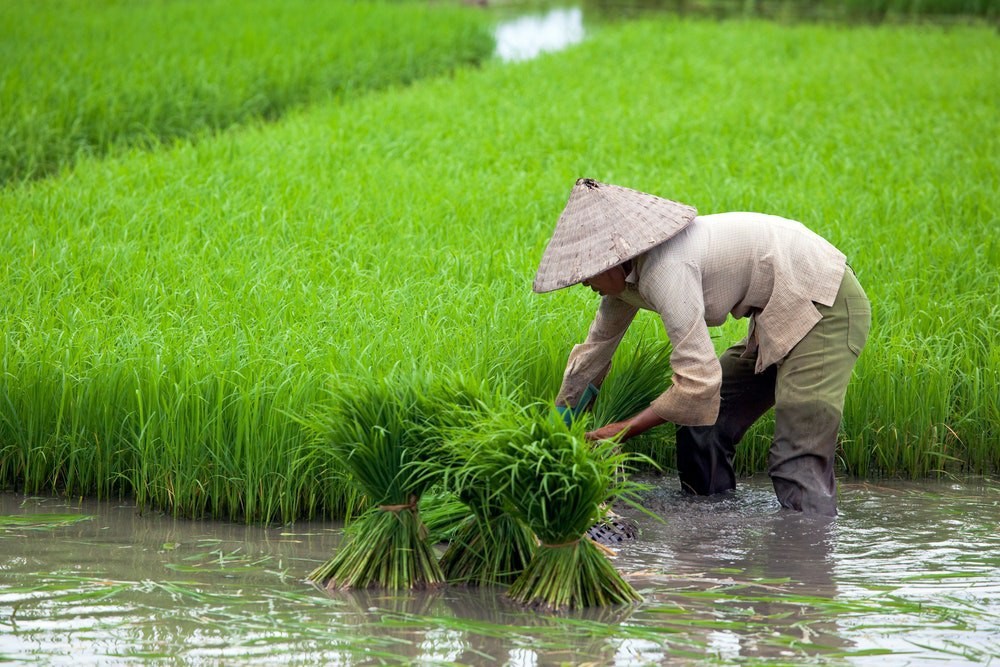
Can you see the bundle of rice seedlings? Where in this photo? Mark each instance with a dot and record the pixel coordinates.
(559, 485)
(380, 436)
(490, 546)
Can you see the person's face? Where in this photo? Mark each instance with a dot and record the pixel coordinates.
(609, 283)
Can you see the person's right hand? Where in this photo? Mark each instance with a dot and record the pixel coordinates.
(610, 431)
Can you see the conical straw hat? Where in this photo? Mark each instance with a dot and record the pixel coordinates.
(603, 226)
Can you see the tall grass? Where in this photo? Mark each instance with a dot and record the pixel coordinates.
(82, 78)
(165, 315)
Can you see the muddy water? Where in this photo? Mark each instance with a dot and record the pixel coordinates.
(909, 574)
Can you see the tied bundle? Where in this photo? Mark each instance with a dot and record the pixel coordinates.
(558, 484)
(381, 439)
(489, 546)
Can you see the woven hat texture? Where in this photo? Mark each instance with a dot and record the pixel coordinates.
(602, 226)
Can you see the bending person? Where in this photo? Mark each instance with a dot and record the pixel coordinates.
(808, 322)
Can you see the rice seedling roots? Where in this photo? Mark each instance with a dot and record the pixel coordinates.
(388, 548)
(571, 576)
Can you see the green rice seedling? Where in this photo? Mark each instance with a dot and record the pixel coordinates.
(85, 78)
(637, 377)
(490, 546)
(442, 512)
(378, 435)
(486, 544)
(164, 312)
(639, 373)
(568, 570)
(558, 485)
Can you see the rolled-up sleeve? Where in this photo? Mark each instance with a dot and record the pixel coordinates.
(590, 361)
(674, 290)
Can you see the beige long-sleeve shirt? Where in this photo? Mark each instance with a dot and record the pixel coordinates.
(768, 268)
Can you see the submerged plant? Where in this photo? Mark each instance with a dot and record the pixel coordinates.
(559, 485)
(381, 440)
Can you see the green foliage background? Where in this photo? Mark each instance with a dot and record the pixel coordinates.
(87, 77)
(167, 315)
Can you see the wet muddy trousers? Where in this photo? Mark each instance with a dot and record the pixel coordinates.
(807, 393)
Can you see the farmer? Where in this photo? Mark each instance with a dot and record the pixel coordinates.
(808, 321)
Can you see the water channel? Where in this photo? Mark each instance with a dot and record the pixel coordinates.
(908, 574)
(528, 36)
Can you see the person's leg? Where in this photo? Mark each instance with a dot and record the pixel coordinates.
(809, 403)
(705, 453)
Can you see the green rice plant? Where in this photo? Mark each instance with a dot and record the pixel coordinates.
(637, 376)
(490, 545)
(442, 513)
(378, 436)
(86, 78)
(639, 373)
(165, 313)
(558, 485)
(486, 545)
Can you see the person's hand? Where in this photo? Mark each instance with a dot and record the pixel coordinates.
(610, 431)
(628, 428)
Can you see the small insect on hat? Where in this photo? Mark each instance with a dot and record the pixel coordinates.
(603, 226)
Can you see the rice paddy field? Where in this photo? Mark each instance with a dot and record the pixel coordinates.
(215, 232)
(85, 78)
(169, 315)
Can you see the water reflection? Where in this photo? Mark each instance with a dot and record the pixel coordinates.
(527, 37)
(911, 569)
(764, 575)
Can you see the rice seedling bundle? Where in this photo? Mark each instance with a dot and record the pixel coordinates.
(558, 485)
(379, 438)
(490, 546)
(486, 544)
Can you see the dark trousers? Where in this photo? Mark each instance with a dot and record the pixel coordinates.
(807, 393)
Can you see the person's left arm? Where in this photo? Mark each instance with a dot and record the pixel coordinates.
(590, 361)
(675, 291)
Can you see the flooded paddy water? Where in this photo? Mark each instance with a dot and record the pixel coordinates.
(908, 574)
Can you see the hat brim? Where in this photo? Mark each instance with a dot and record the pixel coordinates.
(603, 226)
